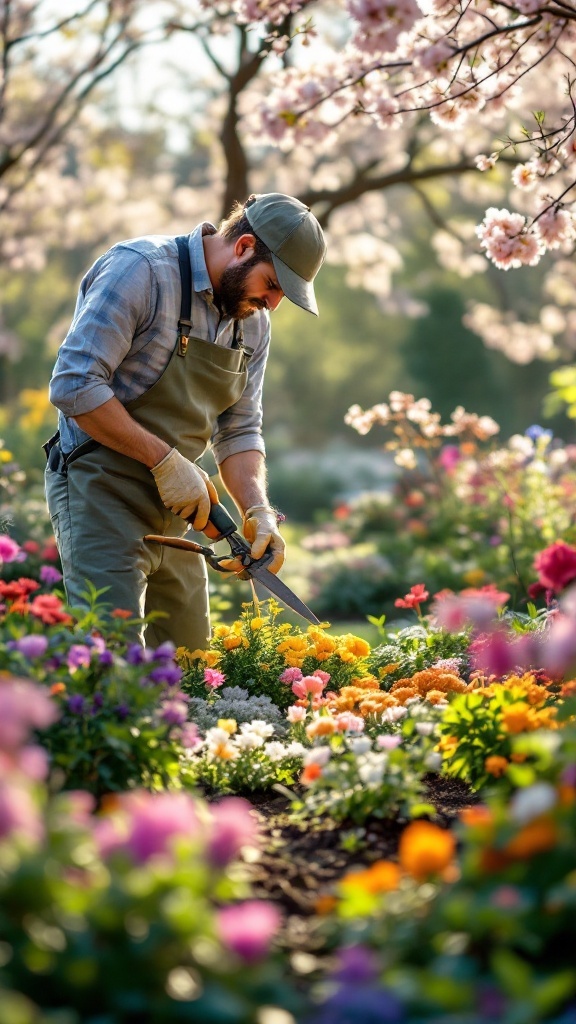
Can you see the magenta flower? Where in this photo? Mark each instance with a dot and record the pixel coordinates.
(233, 826)
(49, 575)
(248, 928)
(556, 565)
(147, 824)
(308, 685)
(213, 678)
(291, 675)
(9, 549)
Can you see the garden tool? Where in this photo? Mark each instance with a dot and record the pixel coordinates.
(221, 526)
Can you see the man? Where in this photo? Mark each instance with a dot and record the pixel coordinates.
(142, 391)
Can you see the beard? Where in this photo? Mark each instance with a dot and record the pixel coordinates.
(233, 296)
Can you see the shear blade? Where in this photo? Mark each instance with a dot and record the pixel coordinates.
(280, 590)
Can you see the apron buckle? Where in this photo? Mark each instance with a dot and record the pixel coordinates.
(184, 327)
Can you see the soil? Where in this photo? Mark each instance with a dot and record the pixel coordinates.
(300, 863)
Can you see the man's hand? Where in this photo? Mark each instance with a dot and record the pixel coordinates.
(260, 529)
(185, 488)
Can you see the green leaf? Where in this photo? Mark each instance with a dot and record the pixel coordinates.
(514, 974)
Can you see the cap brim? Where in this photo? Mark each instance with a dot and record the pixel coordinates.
(295, 288)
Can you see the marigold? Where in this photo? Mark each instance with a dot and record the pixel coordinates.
(257, 622)
(221, 630)
(365, 682)
(383, 876)
(496, 765)
(477, 816)
(231, 642)
(403, 693)
(387, 669)
(425, 849)
(536, 837)
(57, 688)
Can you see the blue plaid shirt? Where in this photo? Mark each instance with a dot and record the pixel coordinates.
(124, 330)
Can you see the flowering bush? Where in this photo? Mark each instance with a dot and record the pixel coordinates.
(254, 652)
(489, 935)
(245, 758)
(124, 909)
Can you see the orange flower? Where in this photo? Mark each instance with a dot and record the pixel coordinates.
(516, 717)
(230, 643)
(310, 774)
(325, 904)
(321, 727)
(121, 613)
(403, 693)
(536, 837)
(476, 816)
(383, 876)
(496, 765)
(57, 688)
(425, 849)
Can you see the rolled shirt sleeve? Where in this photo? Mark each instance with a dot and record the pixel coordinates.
(115, 302)
(239, 428)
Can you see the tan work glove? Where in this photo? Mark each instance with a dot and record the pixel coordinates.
(185, 488)
(260, 528)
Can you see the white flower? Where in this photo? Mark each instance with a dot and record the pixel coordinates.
(394, 714)
(530, 803)
(295, 749)
(433, 761)
(371, 768)
(359, 744)
(275, 750)
(425, 728)
(248, 741)
(259, 727)
(318, 755)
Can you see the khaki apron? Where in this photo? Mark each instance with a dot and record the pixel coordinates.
(112, 501)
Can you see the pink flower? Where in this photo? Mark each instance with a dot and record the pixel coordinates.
(324, 676)
(296, 713)
(213, 678)
(556, 565)
(308, 685)
(347, 722)
(291, 675)
(189, 736)
(50, 575)
(18, 812)
(23, 707)
(248, 928)
(9, 549)
(233, 826)
(386, 742)
(449, 457)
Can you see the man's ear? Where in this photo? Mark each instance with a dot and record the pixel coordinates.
(243, 245)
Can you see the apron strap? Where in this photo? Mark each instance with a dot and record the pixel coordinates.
(184, 321)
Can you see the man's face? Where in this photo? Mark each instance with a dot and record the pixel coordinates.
(248, 285)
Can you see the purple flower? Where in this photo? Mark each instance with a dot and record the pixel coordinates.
(137, 655)
(536, 431)
(169, 674)
(358, 964)
(233, 826)
(49, 575)
(174, 712)
(122, 711)
(76, 704)
(166, 650)
(248, 928)
(569, 775)
(106, 658)
(352, 1004)
(78, 657)
(32, 646)
(97, 701)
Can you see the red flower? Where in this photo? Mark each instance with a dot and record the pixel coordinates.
(556, 565)
(50, 552)
(498, 597)
(48, 608)
(414, 599)
(121, 613)
(18, 589)
(31, 547)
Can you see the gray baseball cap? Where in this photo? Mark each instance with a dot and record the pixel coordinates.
(295, 240)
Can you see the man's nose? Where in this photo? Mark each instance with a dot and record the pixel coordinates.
(274, 299)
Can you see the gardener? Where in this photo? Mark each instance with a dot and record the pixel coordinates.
(141, 393)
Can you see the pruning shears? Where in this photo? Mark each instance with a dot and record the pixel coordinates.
(221, 526)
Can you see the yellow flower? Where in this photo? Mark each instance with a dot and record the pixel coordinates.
(211, 658)
(386, 669)
(517, 718)
(230, 643)
(474, 577)
(353, 645)
(228, 724)
(257, 622)
(5, 455)
(220, 631)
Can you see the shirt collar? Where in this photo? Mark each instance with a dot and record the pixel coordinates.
(200, 277)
